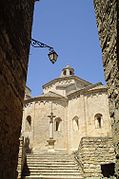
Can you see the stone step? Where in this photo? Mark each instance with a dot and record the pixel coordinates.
(58, 157)
(72, 163)
(54, 171)
(52, 159)
(50, 156)
(53, 177)
(56, 175)
(51, 165)
(50, 171)
(43, 170)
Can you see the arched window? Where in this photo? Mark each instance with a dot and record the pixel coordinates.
(71, 73)
(98, 121)
(75, 122)
(28, 124)
(58, 124)
(64, 73)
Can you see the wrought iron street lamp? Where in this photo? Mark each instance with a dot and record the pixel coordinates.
(52, 54)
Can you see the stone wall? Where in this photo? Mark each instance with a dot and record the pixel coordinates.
(21, 157)
(85, 108)
(94, 152)
(107, 21)
(39, 109)
(15, 32)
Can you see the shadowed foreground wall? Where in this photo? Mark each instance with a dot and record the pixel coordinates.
(15, 32)
(108, 22)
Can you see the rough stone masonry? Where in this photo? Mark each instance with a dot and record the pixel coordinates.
(15, 32)
(107, 14)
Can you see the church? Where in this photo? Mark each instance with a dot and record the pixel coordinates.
(70, 116)
(80, 109)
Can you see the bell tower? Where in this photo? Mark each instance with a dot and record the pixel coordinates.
(67, 71)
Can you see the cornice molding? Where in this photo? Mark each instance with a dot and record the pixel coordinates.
(48, 98)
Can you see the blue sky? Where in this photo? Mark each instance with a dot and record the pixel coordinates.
(70, 27)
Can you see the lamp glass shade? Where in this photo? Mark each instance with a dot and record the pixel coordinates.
(53, 56)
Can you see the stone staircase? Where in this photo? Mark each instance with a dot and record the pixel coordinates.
(52, 166)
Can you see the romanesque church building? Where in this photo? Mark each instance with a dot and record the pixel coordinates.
(71, 117)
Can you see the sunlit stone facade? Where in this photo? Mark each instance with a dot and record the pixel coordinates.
(80, 109)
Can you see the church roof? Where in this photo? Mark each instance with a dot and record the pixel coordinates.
(66, 78)
(98, 87)
(52, 94)
(49, 95)
(68, 85)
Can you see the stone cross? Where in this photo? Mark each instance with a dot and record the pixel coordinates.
(51, 116)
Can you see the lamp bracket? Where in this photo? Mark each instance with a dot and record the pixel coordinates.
(38, 44)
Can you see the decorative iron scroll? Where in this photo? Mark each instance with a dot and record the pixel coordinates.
(38, 44)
